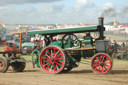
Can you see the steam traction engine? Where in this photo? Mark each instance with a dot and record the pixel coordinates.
(62, 55)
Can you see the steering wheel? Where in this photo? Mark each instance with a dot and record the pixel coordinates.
(70, 40)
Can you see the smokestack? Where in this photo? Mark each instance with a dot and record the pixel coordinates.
(101, 28)
(101, 21)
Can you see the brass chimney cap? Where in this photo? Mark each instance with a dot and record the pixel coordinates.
(101, 18)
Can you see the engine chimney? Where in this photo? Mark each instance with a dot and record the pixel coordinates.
(101, 26)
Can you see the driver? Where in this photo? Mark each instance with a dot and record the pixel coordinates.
(47, 40)
(88, 36)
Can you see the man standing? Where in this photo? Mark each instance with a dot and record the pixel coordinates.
(116, 46)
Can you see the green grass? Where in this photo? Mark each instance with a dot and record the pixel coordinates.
(1, 48)
(27, 57)
(114, 37)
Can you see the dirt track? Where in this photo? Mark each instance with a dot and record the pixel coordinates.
(81, 75)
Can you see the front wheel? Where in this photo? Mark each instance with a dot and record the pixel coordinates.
(52, 60)
(101, 63)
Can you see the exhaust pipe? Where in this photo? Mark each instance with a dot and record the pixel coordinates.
(101, 28)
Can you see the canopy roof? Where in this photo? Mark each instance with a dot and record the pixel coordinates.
(64, 31)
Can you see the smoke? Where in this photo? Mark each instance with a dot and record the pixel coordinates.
(125, 9)
(124, 12)
(109, 10)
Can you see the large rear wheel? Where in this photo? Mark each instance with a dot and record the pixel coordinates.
(101, 63)
(52, 60)
(3, 64)
(68, 66)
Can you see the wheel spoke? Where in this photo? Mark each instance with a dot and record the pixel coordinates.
(54, 67)
(60, 61)
(46, 60)
(47, 56)
(106, 59)
(48, 66)
(56, 53)
(57, 68)
(48, 52)
(103, 58)
(105, 67)
(107, 63)
(95, 68)
(97, 59)
(102, 70)
(51, 68)
(96, 64)
(57, 63)
(51, 53)
(100, 58)
(99, 68)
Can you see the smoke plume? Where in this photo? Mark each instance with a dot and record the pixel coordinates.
(124, 12)
(109, 12)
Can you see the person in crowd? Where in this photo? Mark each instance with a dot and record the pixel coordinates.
(116, 46)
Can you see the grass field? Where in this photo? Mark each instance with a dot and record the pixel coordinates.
(114, 37)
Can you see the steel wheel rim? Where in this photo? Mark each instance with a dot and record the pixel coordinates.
(101, 64)
(52, 60)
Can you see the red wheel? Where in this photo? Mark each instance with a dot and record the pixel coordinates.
(101, 63)
(3, 64)
(52, 59)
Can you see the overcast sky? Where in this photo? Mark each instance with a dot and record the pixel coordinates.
(62, 11)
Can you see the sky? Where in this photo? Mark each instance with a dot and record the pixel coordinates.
(62, 11)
